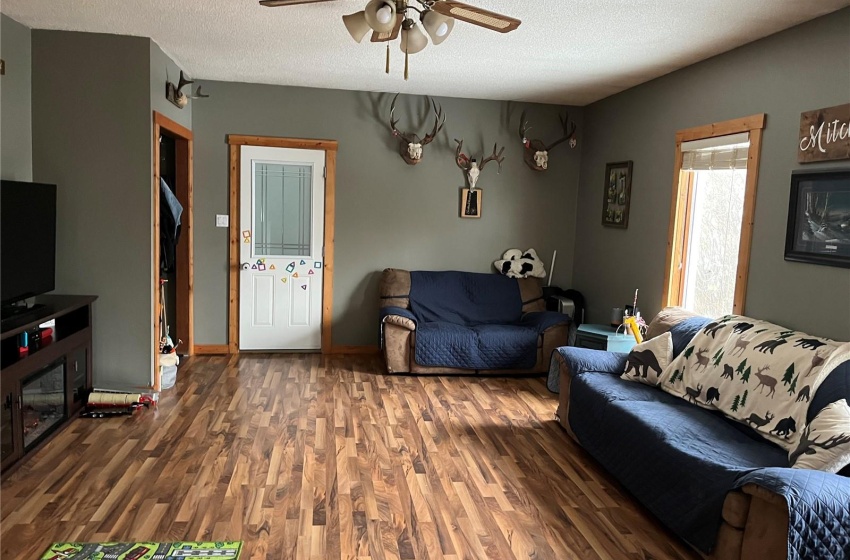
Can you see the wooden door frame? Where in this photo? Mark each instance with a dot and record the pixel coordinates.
(680, 211)
(330, 147)
(184, 188)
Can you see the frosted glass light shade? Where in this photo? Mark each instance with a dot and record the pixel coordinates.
(357, 25)
(413, 40)
(376, 12)
(438, 26)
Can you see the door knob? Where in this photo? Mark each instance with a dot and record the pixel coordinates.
(246, 266)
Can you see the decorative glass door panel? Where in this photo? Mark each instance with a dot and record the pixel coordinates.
(43, 402)
(282, 209)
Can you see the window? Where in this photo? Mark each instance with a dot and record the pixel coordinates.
(714, 189)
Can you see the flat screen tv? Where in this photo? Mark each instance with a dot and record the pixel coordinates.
(27, 240)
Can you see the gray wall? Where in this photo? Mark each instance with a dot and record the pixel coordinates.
(163, 68)
(388, 214)
(804, 68)
(15, 104)
(92, 137)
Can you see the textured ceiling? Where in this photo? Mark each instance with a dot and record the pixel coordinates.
(566, 51)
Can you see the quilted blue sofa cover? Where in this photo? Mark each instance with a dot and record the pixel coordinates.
(469, 321)
(681, 461)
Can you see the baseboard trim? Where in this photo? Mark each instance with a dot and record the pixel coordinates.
(369, 349)
(211, 349)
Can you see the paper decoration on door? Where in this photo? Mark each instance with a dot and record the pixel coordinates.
(253, 267)
(283, 279)
(271, 267)
(247, 240)
(246, 234)
(303, 286)
(303, 261)
(317, 264)
(310, 273)
(261, 261)
(261, 267)
(290, 267)
(295, 275)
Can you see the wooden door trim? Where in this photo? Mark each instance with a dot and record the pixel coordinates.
(184, 154)
(274, 142)
(330, 147)
(680, 207)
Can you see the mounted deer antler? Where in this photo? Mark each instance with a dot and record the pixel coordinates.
(471, 165)
(410, 145)
(536, 154)
(175, 94)
(497, 157)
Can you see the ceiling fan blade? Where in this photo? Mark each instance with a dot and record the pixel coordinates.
(276, 3)
(476, 16)
(388, 35)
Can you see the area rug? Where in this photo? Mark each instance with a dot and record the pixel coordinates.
(144, 551)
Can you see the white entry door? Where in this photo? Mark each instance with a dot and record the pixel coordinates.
(282, 243)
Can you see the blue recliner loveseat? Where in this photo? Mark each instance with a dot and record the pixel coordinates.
(463, 322)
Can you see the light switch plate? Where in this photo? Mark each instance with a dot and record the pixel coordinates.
(222, 220)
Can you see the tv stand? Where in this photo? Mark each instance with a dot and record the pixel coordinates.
(43, 389)
(12, 311)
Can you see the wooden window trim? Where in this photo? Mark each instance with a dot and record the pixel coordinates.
(330, 148)
(680, 211)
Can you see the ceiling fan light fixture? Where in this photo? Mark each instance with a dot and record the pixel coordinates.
(357, 25)
(438, 26)
(380, 15)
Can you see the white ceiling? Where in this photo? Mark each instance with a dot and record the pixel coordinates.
(566, 51)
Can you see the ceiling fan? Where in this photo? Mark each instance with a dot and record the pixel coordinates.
(387, 19)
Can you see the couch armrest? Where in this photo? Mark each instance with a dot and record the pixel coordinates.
(817, 504)
(584, 360)
(398, 316)
(544, 320)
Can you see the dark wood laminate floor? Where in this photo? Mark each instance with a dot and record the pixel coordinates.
(306, 457)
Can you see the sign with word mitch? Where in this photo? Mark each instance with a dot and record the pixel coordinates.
(825, 134)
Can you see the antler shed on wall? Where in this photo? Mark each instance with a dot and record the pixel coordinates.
(411, 145)
(536, 153)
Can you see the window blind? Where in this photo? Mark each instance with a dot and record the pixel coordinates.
(721, 152)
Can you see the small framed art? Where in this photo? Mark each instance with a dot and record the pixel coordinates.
(617, 196)
(470, 203)
(819, 218)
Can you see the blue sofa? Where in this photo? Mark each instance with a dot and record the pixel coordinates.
(714, 482)
(463, 322)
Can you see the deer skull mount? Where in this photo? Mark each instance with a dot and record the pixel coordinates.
(536, 154)
(175, 94)
(411, 145)
(472, 167)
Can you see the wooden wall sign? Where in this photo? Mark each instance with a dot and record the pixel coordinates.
(825, 134)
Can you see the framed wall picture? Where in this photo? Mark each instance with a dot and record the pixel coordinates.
(819, 218)
(470, 203)
(617, 195)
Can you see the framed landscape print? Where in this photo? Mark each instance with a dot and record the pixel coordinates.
(617, 197)
(819, 218)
